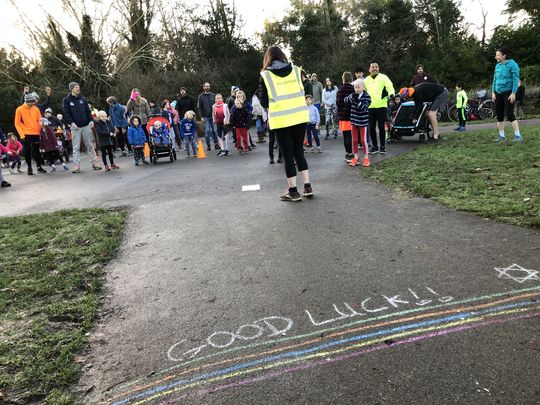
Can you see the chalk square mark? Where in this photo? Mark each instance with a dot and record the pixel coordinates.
(517, 273)
(251, 187)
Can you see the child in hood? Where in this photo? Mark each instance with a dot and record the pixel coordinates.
(14, 151)
(48, 145)
(137, 139)
(105, 132)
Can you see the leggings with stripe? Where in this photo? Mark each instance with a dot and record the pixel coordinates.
(359, 134)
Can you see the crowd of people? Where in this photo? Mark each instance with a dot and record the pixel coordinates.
(286, 108)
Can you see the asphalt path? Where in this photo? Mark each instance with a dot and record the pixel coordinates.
(362, 295)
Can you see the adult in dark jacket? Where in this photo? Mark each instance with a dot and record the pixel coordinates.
(428, 92)
(117, 113)
(204, 106)
(344, 113)
(184, 103)
(78, 117)
(421, 77)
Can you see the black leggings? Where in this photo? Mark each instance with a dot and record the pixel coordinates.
(121, 139)
(504, 107)
(271, 141)
(52, 156)
(31, 149)
(347, 141)
(107, 150)
(291, 144)
(377, 116)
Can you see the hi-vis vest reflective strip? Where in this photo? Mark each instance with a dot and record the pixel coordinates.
(287, 105)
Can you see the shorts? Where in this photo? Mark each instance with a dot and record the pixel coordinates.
(440, 101)
(345, 126)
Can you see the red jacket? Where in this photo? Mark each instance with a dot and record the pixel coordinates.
(14, 147)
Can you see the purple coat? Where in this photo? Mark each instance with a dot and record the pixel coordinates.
(47, 140)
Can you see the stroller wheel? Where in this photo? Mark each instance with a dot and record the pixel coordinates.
(172, 158)
(422, 138)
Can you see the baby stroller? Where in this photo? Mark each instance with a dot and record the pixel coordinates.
(160, 146)
(402, 124)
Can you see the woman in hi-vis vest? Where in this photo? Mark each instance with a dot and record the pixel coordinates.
(282, 93)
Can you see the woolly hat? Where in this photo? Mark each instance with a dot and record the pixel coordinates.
(29, 98)
(234, 88)
(72, 85)
(48, 110)
(36, 96)
(406, 92)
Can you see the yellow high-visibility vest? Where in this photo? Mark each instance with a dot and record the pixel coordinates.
(286, 102)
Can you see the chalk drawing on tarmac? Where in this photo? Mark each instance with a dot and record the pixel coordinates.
(517, 273)
(272, 326)
(380, 304)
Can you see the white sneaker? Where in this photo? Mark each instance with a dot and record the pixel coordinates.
(65, 166)
(319, 150)
(12, 171)
(53, 168)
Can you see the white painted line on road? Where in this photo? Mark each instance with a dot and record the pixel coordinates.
(252, 187)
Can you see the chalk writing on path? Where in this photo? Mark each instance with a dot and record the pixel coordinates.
(276, 325)
(517, 273)
(268, 327)
(372, 305)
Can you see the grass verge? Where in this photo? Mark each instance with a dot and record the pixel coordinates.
(51, 273)
(469, 172)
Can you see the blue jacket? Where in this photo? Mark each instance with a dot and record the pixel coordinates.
(359, 103)
(314, 115)
(117, 112)
(76, 111)
(506, 77)
(136, 136)
(188, 127)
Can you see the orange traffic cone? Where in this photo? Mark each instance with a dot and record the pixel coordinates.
(201, 154)
(146, 150)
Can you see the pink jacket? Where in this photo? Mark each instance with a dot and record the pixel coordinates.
(226, 112)
(15, 148)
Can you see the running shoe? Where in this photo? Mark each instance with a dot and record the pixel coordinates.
(366, 162)
(518, 138)
(374, 151)
(291, 196)
(353, 162)
(383, 151)
(308, 192)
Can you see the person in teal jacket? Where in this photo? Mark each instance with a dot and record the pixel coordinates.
(504, 88)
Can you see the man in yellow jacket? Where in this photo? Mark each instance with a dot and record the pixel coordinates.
(379, 88)
(28, 124)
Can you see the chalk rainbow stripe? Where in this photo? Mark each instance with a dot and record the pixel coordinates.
(312, 364)
(248, 367)
(319, 331)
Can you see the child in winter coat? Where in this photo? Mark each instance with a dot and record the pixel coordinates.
(359, 102)
(160, 134)
(240, 117)
(188, 129)
(3, 183)
(137, 139)
(48, 145)
(241, 96)
(221, 117)
(14, 151)
(313, 124)
(105, 132)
